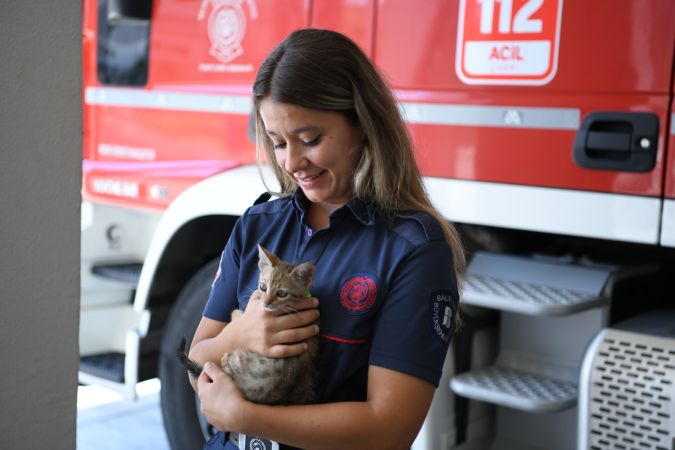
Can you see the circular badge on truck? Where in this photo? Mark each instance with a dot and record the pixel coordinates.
(227, 25)
(358, 293)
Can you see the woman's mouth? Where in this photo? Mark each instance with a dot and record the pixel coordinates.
(311, 180)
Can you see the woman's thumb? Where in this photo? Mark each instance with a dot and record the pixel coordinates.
(212, 370)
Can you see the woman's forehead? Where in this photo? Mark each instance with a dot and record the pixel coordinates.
(286, 118)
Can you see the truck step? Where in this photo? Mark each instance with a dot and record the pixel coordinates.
(109, 366)
(545, 287)
(514, 389)
(129, 272)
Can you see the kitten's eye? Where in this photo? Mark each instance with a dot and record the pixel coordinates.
(281, 293)
(262, 287)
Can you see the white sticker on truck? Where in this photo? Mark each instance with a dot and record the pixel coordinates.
(508, 42)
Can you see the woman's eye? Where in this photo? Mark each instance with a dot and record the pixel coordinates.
(262, 287)
(281, 293)
(313, 142)
(279, 146)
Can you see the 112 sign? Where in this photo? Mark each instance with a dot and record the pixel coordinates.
(508, 41)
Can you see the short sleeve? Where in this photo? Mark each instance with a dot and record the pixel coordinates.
(416, 321)
(223, 297)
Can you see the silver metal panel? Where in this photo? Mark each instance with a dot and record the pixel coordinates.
(630, 392)
(491, 116)
(140, 98)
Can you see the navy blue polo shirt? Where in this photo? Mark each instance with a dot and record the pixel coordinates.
(386, 288)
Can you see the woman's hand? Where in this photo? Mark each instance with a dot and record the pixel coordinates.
(221, 402)
(276, 334)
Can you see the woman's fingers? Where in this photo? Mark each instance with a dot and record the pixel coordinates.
(295, 335)
(305, 303)
(278, 333)
(219, 397)
(286, 350)
(295, 320)
(208, 376)
(212, 371)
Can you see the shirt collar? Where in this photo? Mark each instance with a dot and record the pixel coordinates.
(361, 210)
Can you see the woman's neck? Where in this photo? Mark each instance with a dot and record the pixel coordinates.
(318, 215)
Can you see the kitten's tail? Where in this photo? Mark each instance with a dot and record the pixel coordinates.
(191, 366)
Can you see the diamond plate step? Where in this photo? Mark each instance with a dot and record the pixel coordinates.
(533, 286)
(518, 390)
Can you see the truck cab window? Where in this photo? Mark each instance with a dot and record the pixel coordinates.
(123, 42)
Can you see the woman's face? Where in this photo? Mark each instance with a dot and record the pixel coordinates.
(319, 149)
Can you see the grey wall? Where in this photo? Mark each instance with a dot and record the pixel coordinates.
(40, 175)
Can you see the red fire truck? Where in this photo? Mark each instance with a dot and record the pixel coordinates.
(544, 128)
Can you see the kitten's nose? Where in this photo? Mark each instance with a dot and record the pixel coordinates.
(266, 299)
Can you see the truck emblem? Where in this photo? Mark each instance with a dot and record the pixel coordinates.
(512, 117)
(226, 26)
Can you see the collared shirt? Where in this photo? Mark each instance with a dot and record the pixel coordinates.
(385, 283)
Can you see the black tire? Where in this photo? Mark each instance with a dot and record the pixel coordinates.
(185, 427)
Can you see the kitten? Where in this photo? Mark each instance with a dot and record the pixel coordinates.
(272, 381)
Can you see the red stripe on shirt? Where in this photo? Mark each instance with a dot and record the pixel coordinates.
(344, 341)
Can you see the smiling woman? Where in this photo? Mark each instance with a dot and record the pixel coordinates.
(318, 149)
(387, 263)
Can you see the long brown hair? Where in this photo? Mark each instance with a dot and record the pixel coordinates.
(325, 70)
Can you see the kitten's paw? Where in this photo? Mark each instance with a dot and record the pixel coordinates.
(224, 360)
(236, 313)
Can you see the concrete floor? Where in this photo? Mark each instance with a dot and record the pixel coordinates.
(105, 421)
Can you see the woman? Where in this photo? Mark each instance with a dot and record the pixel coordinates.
(351, 201)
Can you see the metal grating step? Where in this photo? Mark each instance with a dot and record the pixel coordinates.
(120, 272)
(518, 390)
(109, 366)
(531, 286)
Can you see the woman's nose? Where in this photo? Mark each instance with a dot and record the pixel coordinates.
(295, 159)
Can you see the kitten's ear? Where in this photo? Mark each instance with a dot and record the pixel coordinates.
(303, 274)
(266, 258)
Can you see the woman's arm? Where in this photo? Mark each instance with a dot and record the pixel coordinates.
(390, 418)
(271, 334)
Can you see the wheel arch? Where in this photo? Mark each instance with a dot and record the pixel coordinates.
(194, 244)
(192, 231)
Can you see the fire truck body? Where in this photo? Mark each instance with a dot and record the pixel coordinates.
(543, 126)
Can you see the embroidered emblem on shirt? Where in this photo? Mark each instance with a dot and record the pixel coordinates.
(442, 314)
(359, 293)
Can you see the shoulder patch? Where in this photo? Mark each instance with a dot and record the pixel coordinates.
(442, 314)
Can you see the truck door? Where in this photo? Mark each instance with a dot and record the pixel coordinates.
(189, 117)
(497, 92)
(668, 224)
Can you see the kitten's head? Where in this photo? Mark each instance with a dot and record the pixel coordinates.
(282, 283)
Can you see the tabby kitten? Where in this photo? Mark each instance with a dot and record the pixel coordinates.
(272, 381)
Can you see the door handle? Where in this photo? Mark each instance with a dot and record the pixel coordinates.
(621, 141)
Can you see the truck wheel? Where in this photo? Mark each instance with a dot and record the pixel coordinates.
(185, 427)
